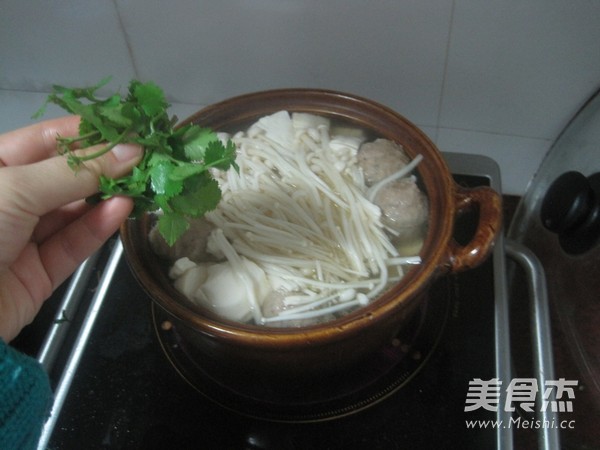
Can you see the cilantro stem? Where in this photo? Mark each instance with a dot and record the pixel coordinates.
(97, 154)
(102, 151)
(81, 137)
(65, 143)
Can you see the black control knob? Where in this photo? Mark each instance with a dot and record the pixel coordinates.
(571, 209)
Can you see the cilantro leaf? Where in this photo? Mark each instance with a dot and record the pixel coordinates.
(219, 156)
(171, 226)
(200, 195)
(161, 182)
(195, 142)
(184, 171)
(150, 97)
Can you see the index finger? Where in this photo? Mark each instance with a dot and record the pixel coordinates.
(35, 142)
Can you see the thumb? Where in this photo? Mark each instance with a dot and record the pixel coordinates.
(43, 186)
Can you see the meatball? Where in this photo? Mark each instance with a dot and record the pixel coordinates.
(404, 208)
(191, 244)
(379, 159)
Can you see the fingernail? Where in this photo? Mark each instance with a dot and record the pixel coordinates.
(126, 152)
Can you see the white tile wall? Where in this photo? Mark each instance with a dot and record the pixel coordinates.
(500, 78)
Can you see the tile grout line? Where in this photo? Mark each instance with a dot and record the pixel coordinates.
(126, 38)
(445, 72)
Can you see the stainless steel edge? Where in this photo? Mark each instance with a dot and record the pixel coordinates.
(479, 165)
(68, 373)
(55, 337)
(548, 436)
(503, 345)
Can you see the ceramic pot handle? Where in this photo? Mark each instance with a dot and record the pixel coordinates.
(463, 257)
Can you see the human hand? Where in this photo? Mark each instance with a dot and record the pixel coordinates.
(46, 227)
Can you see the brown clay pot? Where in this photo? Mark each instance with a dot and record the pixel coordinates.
(229, 348)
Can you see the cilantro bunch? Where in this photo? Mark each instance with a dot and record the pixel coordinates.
(173, 175)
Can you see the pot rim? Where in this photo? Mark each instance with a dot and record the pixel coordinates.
(372, 115)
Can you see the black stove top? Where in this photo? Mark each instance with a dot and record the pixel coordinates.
(131, 383)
